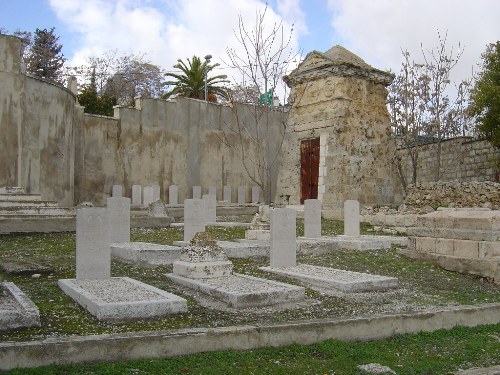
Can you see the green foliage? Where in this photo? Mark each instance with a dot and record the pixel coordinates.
(95, 104)
(191, 82)
(485, 95)
(45, 58)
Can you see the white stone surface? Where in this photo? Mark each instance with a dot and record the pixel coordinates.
(146, 254)
(227, 194)
(325, 278)
(362, 243)
(283, 237)
(147, 195)
(312, 218)
(118, 219)
(194, 218)
(156, 193)
(173, 194)
(93, 255)
(196, 192)
(136, 195)
(242, 194)
(212, 190)
(256, 194)
(258, 235)
(242, 291)
(122, 298)
(17, 310)
(351, 218)
(210, 202)
(117, 191)
(202, 270)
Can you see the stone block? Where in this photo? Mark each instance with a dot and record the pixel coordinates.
(21, 313)
(118, 219)
(489, 249)
(146, 254)
(257, 234)
(283, 251)
(466, 249)
(93, 255)
(425, 244)
(156, 193)
(173, 195)
(210, 203)
(117, 191)
(136, 195)
(351, 218)
(212, 190)
(444, 246)
(256, 194)
(312, 218)
(121, 299)
(202, 270)
(196, 192)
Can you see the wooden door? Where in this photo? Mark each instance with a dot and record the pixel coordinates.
(309, 169)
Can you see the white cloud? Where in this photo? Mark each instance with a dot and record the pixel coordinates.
(377, 30)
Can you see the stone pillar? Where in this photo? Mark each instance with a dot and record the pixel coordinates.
(119, 219)
(351, 218)
(312, 218)
(283, 237)
(242, 194)
(196, 192)
(117, 191)
(210, 208)
(93, 253)
(194, 218)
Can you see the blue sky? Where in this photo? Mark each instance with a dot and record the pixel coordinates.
(166, 30)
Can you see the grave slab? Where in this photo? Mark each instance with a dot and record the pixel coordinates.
(242, 194)
(145, 254)
(117, 191)
(16, 309)
(173, 192)
(326, 278)
(351, 218)
(148, 195)
(120, 299)
(362, 243)
(194, 218)
(136, 195)
(242, 291)
(196, 192)
(119, 219)
(283, 237)
(312, 218)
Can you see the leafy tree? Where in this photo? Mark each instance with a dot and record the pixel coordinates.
(94, 103)
(485, 95)
(45, 58)
(191, 82)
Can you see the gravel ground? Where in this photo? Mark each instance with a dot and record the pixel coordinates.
(329, 273)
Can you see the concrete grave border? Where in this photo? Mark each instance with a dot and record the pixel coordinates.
(27, 315)
(168, 343)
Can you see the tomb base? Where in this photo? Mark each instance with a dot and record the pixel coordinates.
(145, 254)
(258, 234)
(16, 309)
(202, 270)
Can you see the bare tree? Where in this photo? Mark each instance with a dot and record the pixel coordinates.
(266, 57)
(420, 106)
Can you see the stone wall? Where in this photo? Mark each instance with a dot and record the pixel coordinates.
(462, 159)
(50, 147)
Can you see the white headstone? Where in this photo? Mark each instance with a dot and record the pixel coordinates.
(93, 254)
(212, 190)
(351, 218)
(196, 192)
(283, 237)
(148, 195)
(173, 194)
(117, 191)
(119, 219)
(156, 192)
(242, 194)
(210, 208)
(312, 218)
(194, 218)
(226, 196)
(255, 194)
(136, 194)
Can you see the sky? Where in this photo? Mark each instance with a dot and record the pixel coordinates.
(166, 30)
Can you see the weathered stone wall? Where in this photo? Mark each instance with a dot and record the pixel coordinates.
(49, 147)
(462, 159)
(36, 122)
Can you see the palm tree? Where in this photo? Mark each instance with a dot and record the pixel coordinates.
(191, 82)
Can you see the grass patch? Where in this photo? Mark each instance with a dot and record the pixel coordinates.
(438, 352)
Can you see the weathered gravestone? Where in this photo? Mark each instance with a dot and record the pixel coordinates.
(242, 194)
(196, 192)
(210, 208)
(156, 193)
(117, 191)
(119, 219)
(255, 194)
(212, 190)
(351, 218)
(226, 196)
(194, 218)
(93, 254)
(136, 195)
(173, 193)
(148, 195)
(283, 237)
(312, 218)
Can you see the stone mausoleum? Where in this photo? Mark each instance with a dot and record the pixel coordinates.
(338, 142)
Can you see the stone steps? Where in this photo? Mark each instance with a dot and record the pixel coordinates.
(15, 203)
